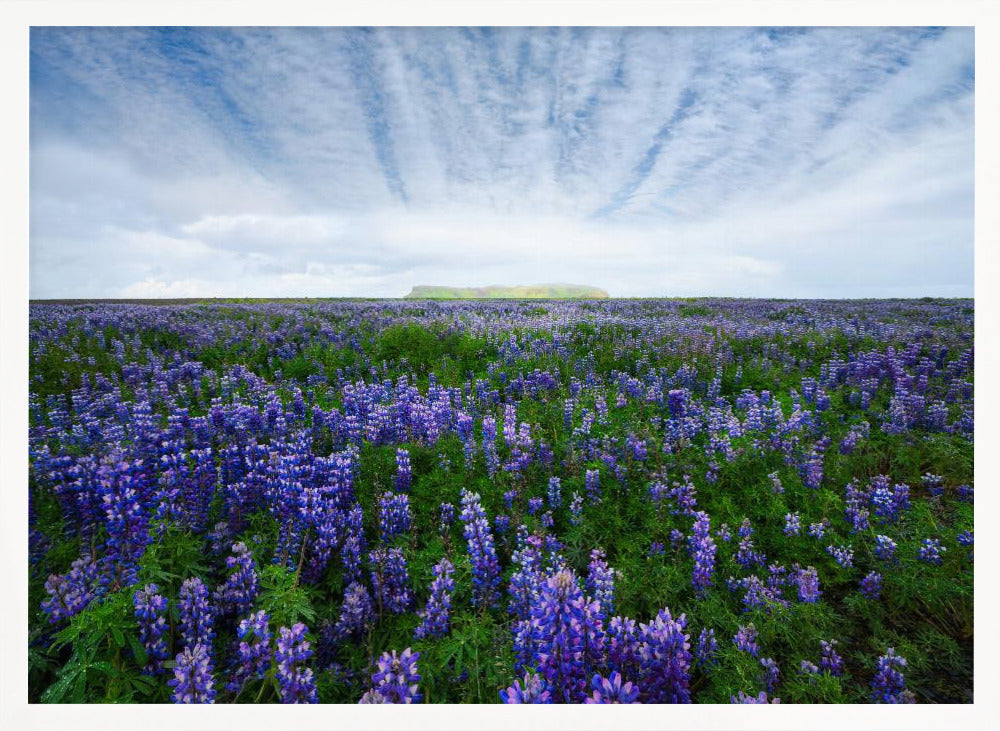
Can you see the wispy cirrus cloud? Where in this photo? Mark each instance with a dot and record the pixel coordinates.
(649, 161)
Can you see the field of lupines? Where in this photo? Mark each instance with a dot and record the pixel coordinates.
(644, 501)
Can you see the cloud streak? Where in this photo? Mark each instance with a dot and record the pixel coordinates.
(648, 161)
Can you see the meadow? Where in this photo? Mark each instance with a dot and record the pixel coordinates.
(655, 501)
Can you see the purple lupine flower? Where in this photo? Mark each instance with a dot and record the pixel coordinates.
(759, 699)
(656, 548)
(509, 497)
(534, 690)
(843, 555)
(889, 685)
(745, 640)
(792, 524)
(404, 473)
(702, 549)
(885, 548)
(393, 515)
(601, 582)
(965, 493)
(724, 533)
(807, 581)
(856, 511)
(567, 637)
(253, 652)
(71, 593)
(482, 554)
(356, 613)
(665, 660)
(239, 590)
(930, 551)
(576, 509)
(612, 690)
(195, 614)
(150, 615)
(830, 661)
(771, 674)
(535, 505)
(871, 586)
(295, 682)
(818, 530)
(436, 615)
(967, 539)
(807, 667)
(390, 579)
(776, 487)
(447, 517)
(396, 677)
(555, 493)
(745, 553)
(192, 681)
(706, 649)
(592, 480)
(502, 524)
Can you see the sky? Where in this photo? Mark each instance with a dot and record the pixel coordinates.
(330, 162)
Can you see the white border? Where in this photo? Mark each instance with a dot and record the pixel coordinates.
(16, 16)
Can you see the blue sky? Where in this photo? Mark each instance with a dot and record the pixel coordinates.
(821, 162)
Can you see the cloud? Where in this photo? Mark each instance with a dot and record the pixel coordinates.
(649, 161)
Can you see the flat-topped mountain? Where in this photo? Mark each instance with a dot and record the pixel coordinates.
(525, 291)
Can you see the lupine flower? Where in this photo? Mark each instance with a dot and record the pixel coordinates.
(393, 515)
(254, 651)
(843, 555)
(567, 637)
(555, 493)
(611, 690)
(437, 614)
(871, 585)
(771, 674)
(295, 682)
(192, 681)
(356, 613)
(535, 505)
(760, 698)
(592, 480)
(239, 590)
(706, 648)
(702, 549)
(396, 678)
(71, 593)
(664, 660)
(195, 614)
(885, 548)
(447, 516)
(830, 661)
(776, 487)
(150, 615)
(807, 667)
(403, 471)
(966, 538)
(889, 685)
(534, 690)
(482, 554)
(930, 551)
(601, 582)
(817, 530)
(746, 640)
(390, 579)
(576, 509)
(807, 581)
(792, 524)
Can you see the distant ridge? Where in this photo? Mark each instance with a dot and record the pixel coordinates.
(526, 291)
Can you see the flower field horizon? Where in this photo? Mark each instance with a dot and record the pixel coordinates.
(712, 500)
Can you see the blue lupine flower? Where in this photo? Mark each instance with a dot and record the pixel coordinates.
(436, 615)
(195, 614)
(889, 685)
(150, 615)
(192, 681)
(482, 554)
(612, 690)
(295, 682)
(396, 677)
